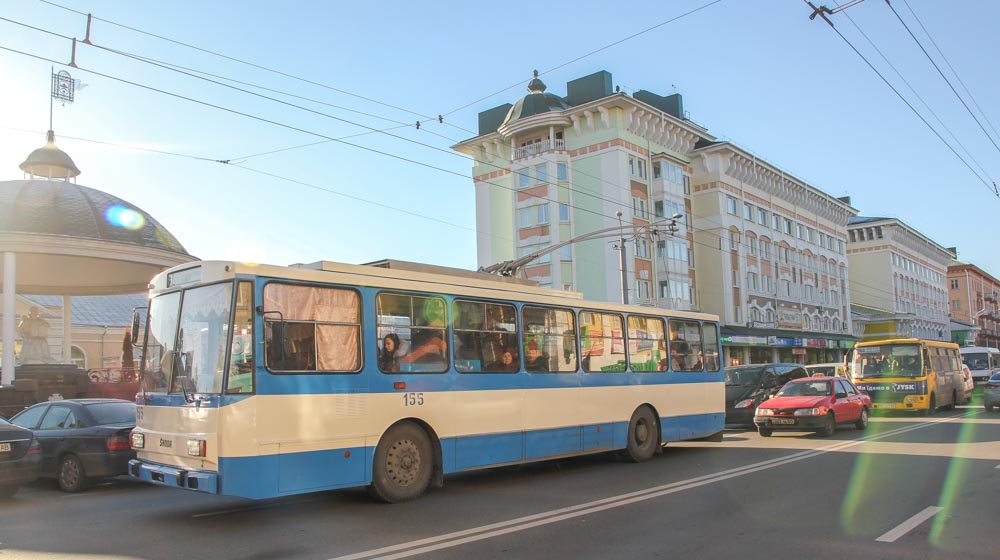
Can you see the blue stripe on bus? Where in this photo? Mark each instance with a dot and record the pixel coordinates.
(293, 473)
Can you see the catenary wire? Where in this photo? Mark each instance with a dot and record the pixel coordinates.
(992, 189)
(952, 68)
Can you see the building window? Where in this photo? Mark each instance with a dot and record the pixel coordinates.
(642, 168)
(734, 240)
(566, 253)
(562, 173)
(731, 205)
(786, 288)
(687, 185)
(762, 216)
(642, 248)
(752, 245)
(523, 176)
(765, 250)
(800, 231)
(639, 207)
(534, 216)
(642, 289)
(563, 212)
(752, 281)
(656, 170)
(955, 305)
(747, 212)
(788, 226)
(631, 165)
(542, 173)
(775, 222)
(954, 283)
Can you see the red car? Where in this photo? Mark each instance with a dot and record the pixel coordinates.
(814, 404)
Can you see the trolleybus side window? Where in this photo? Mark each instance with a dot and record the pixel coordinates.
(241, 357)
(320, 328)
(412, 333)
(711, 343)
(685, 346)
(647, 347)
(549, 339)
(484, 337)
(602, 342)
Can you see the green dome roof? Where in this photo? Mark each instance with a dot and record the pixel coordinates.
(536, 102)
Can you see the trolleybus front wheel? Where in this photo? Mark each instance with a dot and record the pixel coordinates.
(404, 462)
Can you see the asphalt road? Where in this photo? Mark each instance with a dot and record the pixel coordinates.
(908, 487)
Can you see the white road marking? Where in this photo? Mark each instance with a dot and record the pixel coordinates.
(997, 467)
(910, 524)
(484, 532)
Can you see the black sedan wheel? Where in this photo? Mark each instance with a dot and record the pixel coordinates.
(71, 476)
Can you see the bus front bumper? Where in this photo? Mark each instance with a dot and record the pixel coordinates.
(163, 475)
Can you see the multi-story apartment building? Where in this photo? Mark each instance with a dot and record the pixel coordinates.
(901, 276)
(548, 169)
(770, 253)
(973, 294)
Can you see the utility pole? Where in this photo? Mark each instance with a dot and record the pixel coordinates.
(623, 266)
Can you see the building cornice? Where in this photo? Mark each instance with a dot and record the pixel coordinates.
(748, 168)
(910, 238)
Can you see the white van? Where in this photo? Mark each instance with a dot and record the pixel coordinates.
(983, 361)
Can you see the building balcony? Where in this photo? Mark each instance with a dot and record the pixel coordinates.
(536, 148)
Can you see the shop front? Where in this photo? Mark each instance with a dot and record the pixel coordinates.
(742, 345)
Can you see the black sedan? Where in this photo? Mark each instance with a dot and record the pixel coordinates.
(19, 458)
(81, 439)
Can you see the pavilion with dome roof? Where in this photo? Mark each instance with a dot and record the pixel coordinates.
(59, 238)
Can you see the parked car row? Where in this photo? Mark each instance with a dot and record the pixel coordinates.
(75, 441)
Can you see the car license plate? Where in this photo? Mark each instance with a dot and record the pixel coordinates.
(886, 405)
(782, 420)
(4, 448)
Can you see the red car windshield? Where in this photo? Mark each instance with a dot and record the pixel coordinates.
(806, 389)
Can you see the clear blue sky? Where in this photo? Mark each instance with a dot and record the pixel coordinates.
(758, 73)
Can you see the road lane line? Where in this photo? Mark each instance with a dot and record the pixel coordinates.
(449, 540)
(910, 524)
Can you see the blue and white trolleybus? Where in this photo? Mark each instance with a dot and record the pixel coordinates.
(263, 381)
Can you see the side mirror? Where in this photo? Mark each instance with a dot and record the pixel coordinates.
(135, 323)
(841, 395)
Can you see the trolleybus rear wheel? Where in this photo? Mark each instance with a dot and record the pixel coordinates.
(643, 436)
(404, 462)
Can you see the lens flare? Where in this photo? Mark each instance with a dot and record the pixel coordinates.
(123, 217)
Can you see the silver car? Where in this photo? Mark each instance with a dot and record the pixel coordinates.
(991, 394)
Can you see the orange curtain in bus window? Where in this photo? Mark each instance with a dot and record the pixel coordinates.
(338, 348)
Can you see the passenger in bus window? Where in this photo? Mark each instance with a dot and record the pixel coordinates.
(679, 351)
(429, 346)
(387, 360)
(911, 365)
(535, 359)
(700, 364)
(507, 362)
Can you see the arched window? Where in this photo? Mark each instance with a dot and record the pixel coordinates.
(78, 357)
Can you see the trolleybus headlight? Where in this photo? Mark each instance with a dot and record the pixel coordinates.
(138, 440)
(196, 447)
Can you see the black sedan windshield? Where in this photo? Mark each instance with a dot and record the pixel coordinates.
(112, 413)
(745, 376)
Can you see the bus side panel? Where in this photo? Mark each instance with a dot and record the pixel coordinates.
(484, 450)
(558, 441)
(249, 477)
(680, 428)
(318, 470)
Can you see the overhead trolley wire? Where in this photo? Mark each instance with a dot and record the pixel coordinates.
(945, 78)
(952, 68)
(992, 188)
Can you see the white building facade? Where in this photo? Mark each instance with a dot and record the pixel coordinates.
(898, 270)
(771, 253)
